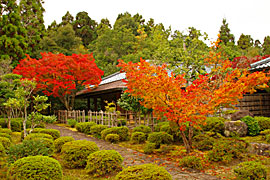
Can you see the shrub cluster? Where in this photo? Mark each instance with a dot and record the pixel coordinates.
(35, 167)
(5, 135)
(5, 142)
(142, 128)
(104, 162)
(160, 138)
(158, 126)
(85, 127)
(138, 137)
(252, 124)
(112, 138)
(5, 130)
(75, 153)
(121, 131)
(191, 162)
(27, 148)
(142, 172)
(204, 142)
(2, 151)
(215, 124)
(264, 122)
(59, 142)
(225, 150)
(38, 136)
(251, 170)
(97, 129)
(149, 148)
(53, 132)
(72, 122)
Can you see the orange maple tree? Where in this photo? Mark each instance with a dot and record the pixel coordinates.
(188, 104)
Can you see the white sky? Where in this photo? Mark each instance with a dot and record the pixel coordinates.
(251, 17)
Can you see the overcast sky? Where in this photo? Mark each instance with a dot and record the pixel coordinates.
(251, 17)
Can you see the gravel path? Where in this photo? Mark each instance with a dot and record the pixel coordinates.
(132, 157)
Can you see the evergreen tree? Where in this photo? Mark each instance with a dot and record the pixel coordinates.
(67, 19)
(12, 34)
(245, 41)
(225, 33)
(266, 45)
(31, 12)
(85, 28)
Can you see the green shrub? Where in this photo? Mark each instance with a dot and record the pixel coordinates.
(264, 122)
(96, 130)
(121, 131)
(160, 138)
(267, 138)
(35, 167)
(142, 128)
(191, 162)
(138, 137)
(252, 124)
(75, 153)
(59, 142)
(149, 148)
(53, 132)
(85, 127)
(158, 126)
(265, 132)
(225, 150)
(104, 162)
(144, 172)
(15, 123)
(112, 138)
(5, 130)
(37, 136)
(215, 124)
(204, 142)
(72, 122)
(5, 142)
(27, 148)
(251, 170)
(2, 151)
(5, 135)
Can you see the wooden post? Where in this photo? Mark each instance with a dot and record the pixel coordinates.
(101, 117)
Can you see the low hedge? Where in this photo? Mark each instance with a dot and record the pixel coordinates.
(264, 122)
(5, 135)
(37, 136)
(85, 127)
(144, 172)
(104, 162)
(53, 132)
(75, 153)
(5, 130)
(191, 162)
(35, 167)
(142, 128)
(112, 138)
(138, 137)
(251, 170)
(5, 142)
(2, 151)
(58, 143)
(97, 129)
(215, 124)
(121, 131)
(27, 148)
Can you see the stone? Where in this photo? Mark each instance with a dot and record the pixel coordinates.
(235, 128)
(260, 149)
(240, 114)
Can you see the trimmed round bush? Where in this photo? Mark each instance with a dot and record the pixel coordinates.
(144, 172)
(121, 131)
(75, 153)
(104, 162)
(112, 138)
(5, 142)
(58, 143)
(158, 126)
(252, 124)
(2, 150)
(160, 138)
(215, 124)
(27, 148)
(5, 135)
(38, 135)
(138, 137)
(204, 142)
(142, 128)
(191, 162)
(149, 148)
(35, 167)
(264, 122)
(72, 122)
(267, 138)
(251, 170)
(5, 130)
(53, 132)
(85, 127)
(97, 129)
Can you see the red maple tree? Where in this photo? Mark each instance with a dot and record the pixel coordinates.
(61, 76)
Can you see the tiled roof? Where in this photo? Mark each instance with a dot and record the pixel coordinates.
(262, 64)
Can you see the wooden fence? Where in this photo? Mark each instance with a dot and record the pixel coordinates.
(258, 104)
(129, 119)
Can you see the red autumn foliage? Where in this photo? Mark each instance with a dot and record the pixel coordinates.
(61, 76)
(244, 62)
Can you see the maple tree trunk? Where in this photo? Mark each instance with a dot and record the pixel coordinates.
(190, 134)
(186, 142)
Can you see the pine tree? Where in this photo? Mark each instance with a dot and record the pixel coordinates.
(225, 33)
(12, 34)
(266, 45)
(245, 41)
